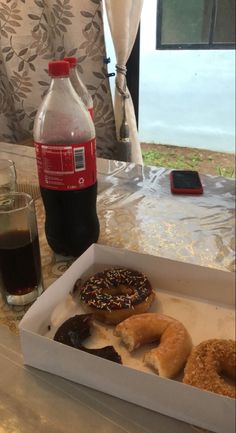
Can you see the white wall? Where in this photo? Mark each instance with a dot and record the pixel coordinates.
(187, 97)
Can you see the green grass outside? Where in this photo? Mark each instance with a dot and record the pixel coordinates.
(191, 161)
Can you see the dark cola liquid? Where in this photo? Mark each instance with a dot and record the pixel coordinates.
(19, 262)
(71, 224)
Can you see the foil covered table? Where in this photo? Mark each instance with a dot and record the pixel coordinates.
(137, 212)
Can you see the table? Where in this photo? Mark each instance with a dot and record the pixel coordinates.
(137, 212)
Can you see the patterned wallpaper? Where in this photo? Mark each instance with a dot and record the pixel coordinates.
(36, 31)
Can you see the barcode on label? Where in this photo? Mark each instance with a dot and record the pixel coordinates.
(79, 159)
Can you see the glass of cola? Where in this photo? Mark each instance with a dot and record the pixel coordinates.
(20, 264)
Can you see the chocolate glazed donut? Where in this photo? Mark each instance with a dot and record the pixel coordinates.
(76, 329)
(116, 293)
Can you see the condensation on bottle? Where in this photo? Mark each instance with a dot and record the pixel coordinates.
(79, 86)
(65, 143)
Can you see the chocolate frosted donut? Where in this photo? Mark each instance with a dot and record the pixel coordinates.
(76, 329)
(116, 293)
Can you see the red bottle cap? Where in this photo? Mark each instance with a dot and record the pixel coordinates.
(71, 60)
(58, 68)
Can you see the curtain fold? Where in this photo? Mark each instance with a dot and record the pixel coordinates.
(32, 32)
(123, 18)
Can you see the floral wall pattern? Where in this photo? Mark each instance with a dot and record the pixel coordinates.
(36, 31)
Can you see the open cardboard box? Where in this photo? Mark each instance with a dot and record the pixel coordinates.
(202, 298)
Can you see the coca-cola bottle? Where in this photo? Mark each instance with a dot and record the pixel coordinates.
(65, 144)
(79, 86)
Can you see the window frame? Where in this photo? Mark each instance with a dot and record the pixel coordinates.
(191, 46)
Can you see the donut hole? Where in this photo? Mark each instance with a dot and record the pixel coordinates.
(227, 374)
(120, 289)
(224, 367)
(228, 368)
(227, 378)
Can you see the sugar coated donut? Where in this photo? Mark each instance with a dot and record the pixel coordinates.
(175, 342)
(207, 361)
(116, 293)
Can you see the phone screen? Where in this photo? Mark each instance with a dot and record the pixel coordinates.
(186, 181)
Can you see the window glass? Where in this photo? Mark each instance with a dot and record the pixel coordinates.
(225, 21)
(183, 21)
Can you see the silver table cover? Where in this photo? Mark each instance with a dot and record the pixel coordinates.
(137, 212)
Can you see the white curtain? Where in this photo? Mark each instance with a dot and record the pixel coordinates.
(124, 17)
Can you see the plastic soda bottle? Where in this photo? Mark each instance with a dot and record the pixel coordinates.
(79, 86)
(65, 143)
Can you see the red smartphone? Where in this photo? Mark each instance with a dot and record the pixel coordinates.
(185, 182)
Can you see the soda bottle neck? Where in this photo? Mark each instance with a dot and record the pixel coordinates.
(74, 73)
(77, 82)
(80, 88)
(62, 116)
(62, 84)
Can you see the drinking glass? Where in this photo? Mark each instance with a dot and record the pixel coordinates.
(20, 265)
(7, 176)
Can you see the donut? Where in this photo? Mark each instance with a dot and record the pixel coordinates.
(206, 363)
(76, 329)
(115, 294)
(175, 342)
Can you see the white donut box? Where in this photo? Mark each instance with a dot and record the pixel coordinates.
(201, 298)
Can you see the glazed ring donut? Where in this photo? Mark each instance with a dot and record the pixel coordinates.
(175, 342)
(207, 361)
(116, 293)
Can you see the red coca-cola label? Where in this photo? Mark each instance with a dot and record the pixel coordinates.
(66, 167)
